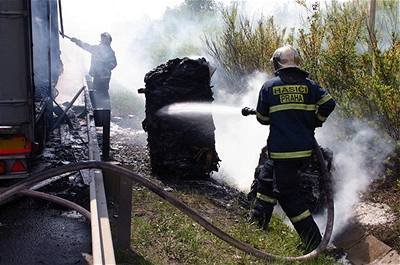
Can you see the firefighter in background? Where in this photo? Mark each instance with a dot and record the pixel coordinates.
(293, 106)
(102, 62)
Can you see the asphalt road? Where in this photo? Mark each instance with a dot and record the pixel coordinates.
(37, 233)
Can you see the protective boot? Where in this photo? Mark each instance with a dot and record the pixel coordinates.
(309, 233)
(261, 213)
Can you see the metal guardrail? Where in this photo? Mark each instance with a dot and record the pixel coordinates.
(102, 244)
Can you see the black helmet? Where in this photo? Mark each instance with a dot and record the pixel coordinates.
(106, 38)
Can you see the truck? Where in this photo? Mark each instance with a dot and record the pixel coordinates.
(30, 65)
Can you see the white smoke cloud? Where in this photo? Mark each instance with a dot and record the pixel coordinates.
(126, 21)
(135, 25)
(359, 151)
(239, 139)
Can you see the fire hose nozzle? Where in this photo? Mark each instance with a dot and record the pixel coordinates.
(246, 111)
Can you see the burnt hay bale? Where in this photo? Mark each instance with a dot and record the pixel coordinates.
(180, 147)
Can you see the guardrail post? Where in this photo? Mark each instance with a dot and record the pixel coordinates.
(124, 214)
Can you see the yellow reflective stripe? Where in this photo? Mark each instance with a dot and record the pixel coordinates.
(262, 117)
(298, 154)
(324, 99)
(306, 107)
(266, 198)
(301, 216)
(320, 117)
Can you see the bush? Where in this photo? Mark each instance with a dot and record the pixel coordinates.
(360, 67)
(245, 47)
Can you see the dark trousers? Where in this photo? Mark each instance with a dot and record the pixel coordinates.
(101, 97)
(263, 192)
(287, 183)
(101, 83)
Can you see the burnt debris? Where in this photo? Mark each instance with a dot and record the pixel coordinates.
(180, 147)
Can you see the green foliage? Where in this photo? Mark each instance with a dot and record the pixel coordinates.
(365, 81)
(360, 67)
(244, 46)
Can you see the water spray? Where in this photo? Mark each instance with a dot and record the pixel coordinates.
(194, 108)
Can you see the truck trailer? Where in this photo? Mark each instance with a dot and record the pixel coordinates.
(30, 65)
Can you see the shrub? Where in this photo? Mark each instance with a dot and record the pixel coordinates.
(360, 67)
(245, 47)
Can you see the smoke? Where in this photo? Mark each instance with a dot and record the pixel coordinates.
(359, 151)
(144, 35)
(86, 20)
(239, 139)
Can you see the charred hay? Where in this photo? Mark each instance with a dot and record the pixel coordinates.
(180, 147)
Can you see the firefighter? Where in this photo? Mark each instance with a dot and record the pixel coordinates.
(293, 106)
(102, 62)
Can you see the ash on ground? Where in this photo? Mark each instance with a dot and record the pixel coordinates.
(68, 144)
(372, 214)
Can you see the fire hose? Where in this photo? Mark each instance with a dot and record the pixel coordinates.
(57, 200)
(54, 199)
(117, 170)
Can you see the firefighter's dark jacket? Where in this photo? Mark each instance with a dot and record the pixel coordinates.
(103, 59)
(293, 106)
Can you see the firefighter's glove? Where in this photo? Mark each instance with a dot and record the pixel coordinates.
(318, 123)
(252, 195)
(248, 111)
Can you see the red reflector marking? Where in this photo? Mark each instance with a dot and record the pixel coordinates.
(15, 145)
(18, 166)
(15, 151)
(2, 167)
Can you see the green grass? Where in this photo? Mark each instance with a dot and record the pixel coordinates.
(163, 235)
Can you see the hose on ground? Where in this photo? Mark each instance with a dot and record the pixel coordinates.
(57, 200)
(51, 198)
(120, 171)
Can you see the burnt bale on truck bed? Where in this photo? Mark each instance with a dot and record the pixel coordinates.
(180, 146)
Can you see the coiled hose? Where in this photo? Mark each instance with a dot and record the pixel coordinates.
(113, 169)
